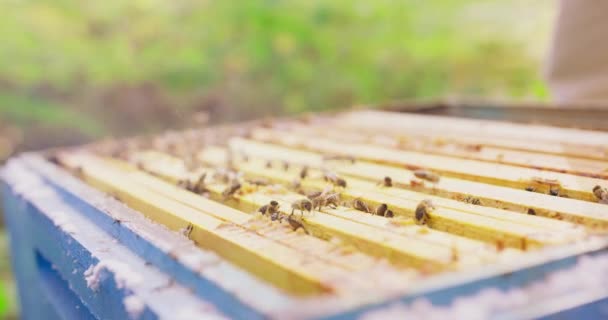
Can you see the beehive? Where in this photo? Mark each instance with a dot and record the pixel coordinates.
(360, 214)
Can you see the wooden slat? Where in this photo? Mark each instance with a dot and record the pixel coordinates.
(474, 128)
(499, 174)
(280, 265)
(515, 230)
(590, 214)
(359, 122)
(541, 161)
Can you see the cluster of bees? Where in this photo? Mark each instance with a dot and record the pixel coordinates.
(329, 197)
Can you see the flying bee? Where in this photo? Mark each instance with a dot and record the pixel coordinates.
(304, 172)
(285, 165)
(334, 179)
(302, 205)
(427, 175)
(360, 205)
(296, 224)
(231, 190)
(422, 211)
(269, 208)
(381, 210)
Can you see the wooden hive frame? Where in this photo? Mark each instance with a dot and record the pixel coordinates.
(482, 213)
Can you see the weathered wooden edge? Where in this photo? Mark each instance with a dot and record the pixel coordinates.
(60, 234)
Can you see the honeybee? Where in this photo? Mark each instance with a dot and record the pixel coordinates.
(231, 190)
(269, 208)
(268, 164)
(276, 216)
(314, 195)
(601, 194)
(422, 211)
(302, 205)
(360, 205)
(316, 198)
(531, 212)
(381, 210)
(415, 183)
(427, 175)
(304, 172)
(387, 182)
(389, 214)
(530, 189)
(187, 230)
(331, 200)
(296, 224)
(473, 147)
(334, 179)
(554, 191)
(185, 184)
(500, 245)
(199, 187)
(472, 200)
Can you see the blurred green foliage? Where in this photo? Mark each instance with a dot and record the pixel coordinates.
(5, 307)
(239, 59)
(72, 71)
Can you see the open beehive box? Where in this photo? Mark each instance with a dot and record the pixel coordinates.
(359, 214)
